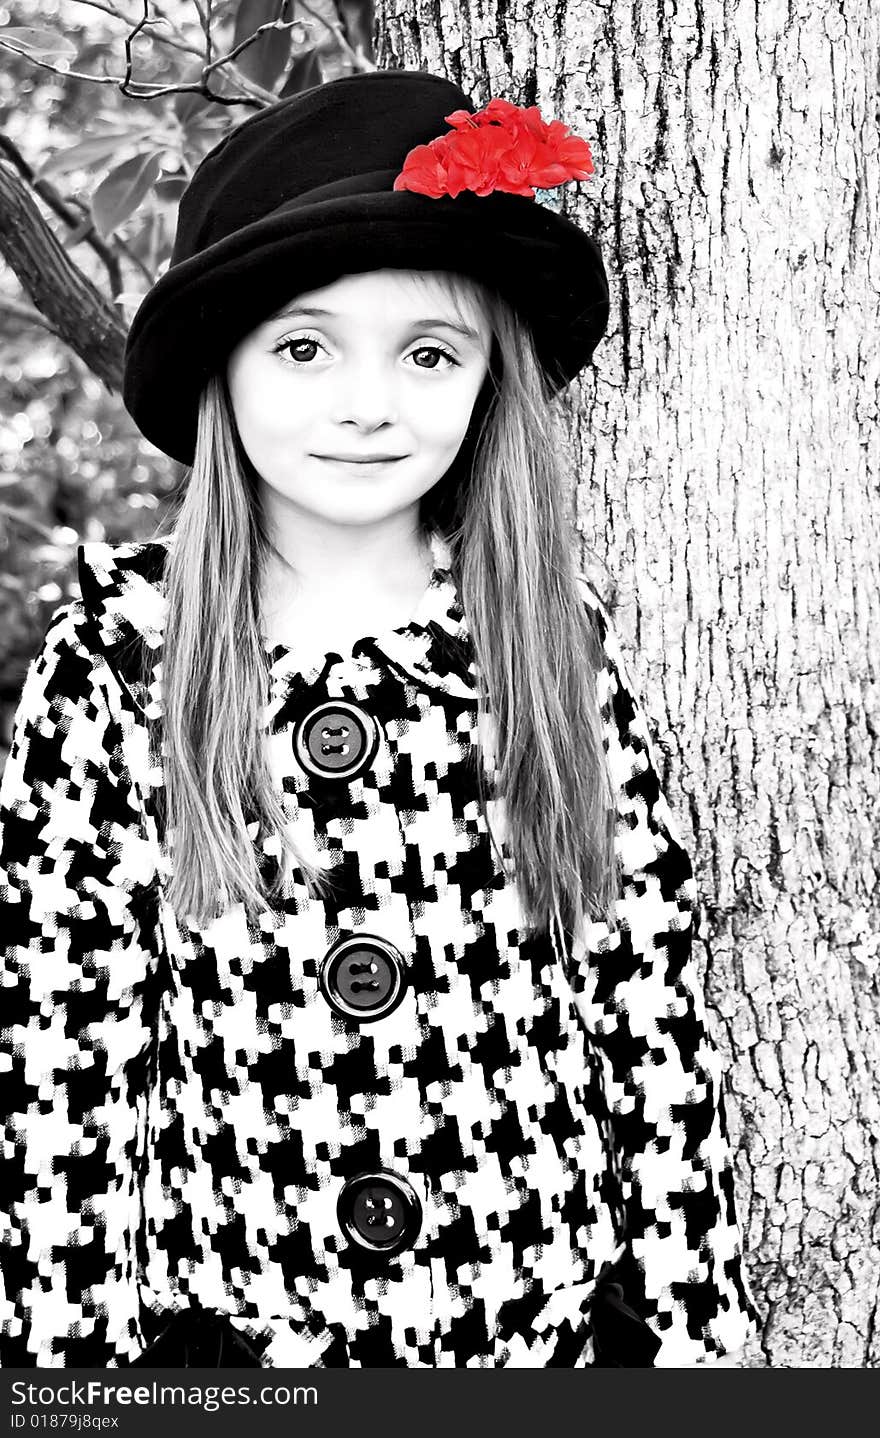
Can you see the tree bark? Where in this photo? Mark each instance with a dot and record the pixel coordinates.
(74, 308)
(726, 455)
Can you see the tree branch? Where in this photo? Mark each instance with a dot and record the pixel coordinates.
(27, 313)
(199, 88)
(54, 200)
(243, 44)
(130, 39)
(180, 43)
(246, 86)
(17, 516)
(79, 314)
(359, 61)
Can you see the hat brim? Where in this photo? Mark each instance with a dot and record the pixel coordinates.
(548, 268)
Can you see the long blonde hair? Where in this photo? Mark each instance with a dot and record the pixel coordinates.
(500, 506)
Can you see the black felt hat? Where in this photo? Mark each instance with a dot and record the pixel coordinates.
(303, 193)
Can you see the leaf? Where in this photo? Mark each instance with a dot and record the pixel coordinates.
(357, 26)
(38, 44)
(303, 74)
(265, 60)
(120, 193)
(86, 152)
(319, 17)
(128, 302)
(171, 187)
(190, 105)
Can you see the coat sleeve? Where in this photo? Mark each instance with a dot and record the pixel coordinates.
(78, 932)
(640, 997)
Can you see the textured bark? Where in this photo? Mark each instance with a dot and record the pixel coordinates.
(77, 311)
(725, 460)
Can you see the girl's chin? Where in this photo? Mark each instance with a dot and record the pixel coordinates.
(353, 506)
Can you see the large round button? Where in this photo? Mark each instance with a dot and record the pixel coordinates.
(380, 1211)
(363, 977)
(335, 739)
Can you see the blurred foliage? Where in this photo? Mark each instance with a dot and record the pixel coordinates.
(73, 466)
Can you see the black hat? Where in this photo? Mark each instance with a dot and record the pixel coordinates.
(303, 193)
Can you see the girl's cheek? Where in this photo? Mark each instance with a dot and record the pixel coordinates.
(269, 388)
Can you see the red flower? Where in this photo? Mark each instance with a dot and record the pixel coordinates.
(501, 147)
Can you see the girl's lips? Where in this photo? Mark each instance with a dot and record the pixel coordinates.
(335, 459)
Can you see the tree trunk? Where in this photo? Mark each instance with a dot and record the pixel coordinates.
(725, 469)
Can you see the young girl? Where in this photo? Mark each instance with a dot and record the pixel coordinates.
(350, 1015)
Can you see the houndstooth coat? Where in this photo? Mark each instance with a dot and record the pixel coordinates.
(389, 1127)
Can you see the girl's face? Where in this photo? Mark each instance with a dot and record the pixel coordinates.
(353, 413)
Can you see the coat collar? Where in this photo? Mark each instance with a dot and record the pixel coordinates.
(123, 596)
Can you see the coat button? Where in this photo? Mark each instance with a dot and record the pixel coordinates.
(380, 1211)
(335, 740)
(363, 977)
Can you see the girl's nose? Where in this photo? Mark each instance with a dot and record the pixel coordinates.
(366, 394)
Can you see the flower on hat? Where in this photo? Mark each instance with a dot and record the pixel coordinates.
(501, 147)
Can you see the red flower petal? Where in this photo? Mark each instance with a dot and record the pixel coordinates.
(501, 147)
(423, 171)
(461, 120)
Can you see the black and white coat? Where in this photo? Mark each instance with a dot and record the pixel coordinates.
(183, 1107)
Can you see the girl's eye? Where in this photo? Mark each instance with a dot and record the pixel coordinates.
(291, 344)
(435, 350)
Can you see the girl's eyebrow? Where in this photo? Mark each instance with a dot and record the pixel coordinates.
(429, 323)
